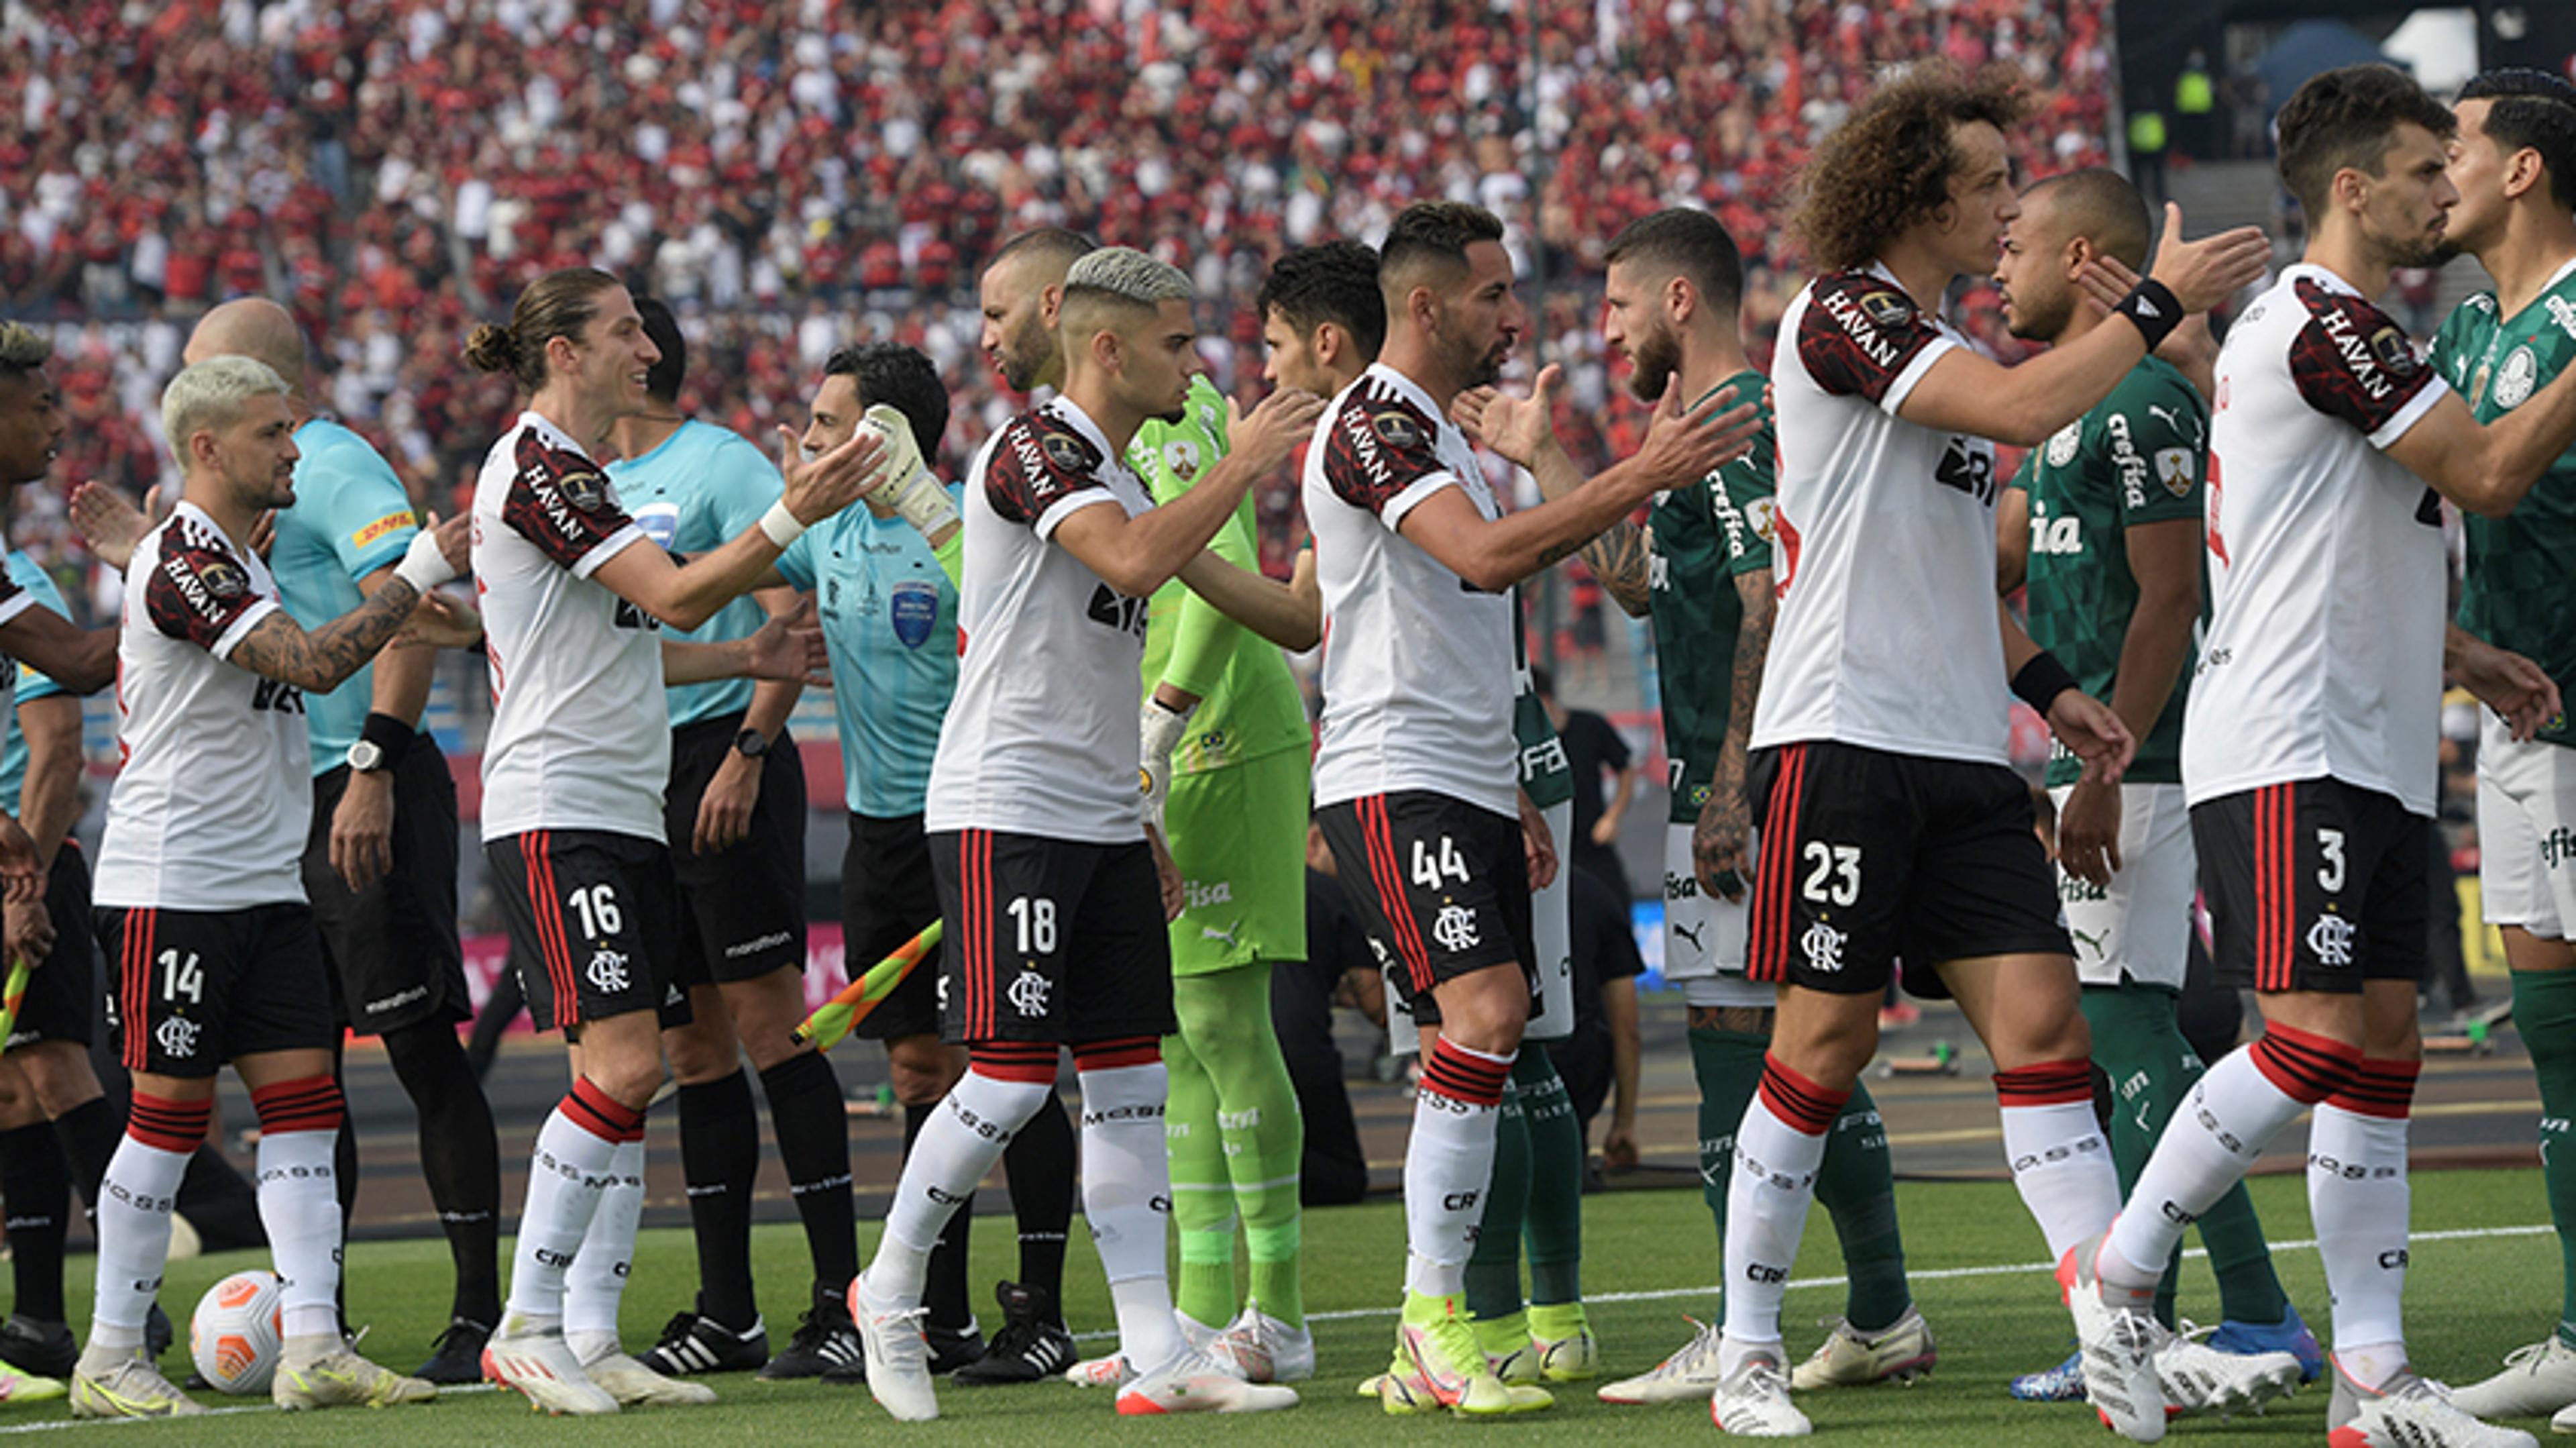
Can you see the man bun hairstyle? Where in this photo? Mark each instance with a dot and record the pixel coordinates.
(558, 304)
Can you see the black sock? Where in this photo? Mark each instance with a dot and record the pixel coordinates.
(460, 1156)
(1039, 1161)
(89, 1133)
(38, 1191)
(719, 1158)
(944, 1292)
(813, 1132)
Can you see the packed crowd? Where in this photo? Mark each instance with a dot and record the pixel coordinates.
(793, 177)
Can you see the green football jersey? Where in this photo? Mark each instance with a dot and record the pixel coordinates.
(2520, 592)
(2138, 457)
(1251, 706)
(1545, 776)
(1705, 537)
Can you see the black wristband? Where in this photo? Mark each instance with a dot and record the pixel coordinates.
(2041, 681)
(389, 734)
(2151, 305)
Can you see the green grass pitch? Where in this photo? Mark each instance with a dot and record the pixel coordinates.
(2483, 1281)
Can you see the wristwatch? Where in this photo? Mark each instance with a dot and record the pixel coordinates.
(751, 744)
(366, 757)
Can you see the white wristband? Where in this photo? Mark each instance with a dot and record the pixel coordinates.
(422, 565)
(781, 525)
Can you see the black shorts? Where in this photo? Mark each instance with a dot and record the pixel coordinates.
(1869, 856)
(889, 895)
(392, 947)
(2314, 886)
(592, 919)
(193, 989)
(1050, 940)
(1441, 887)
(62, 993)
(742, 908)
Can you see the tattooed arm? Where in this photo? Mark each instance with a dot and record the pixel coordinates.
(1719, 839)
(1621, 558)
(322, 660)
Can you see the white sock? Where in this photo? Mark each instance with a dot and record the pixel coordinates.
(1449, 1164)
(299, 1204)
(595, 1284)
(956, 1147)
(2061, 1161)
(2359, 1199)
(1778, 1149)
(1127, 1200)
(2216, 1134)
(566, 1175)
(134, 1205)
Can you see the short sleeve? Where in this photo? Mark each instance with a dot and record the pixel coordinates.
(1383, 454)
(796, 562)
(199, 593)
(2156, 437)
(2452, 346)
(1040, 470)
(1740, 494)
(2350, 361)
(1861, 335)
(40, 592)
(367, 515)
(745, 483)
(561, 502)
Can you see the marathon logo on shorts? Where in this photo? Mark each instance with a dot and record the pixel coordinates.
(757, 944)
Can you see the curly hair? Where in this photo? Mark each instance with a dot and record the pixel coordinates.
(1890, 165)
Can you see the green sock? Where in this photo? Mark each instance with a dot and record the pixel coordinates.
(1728, 1065)
(2152, 1069)
(1202, 1198)
(1494, 1271)
(1554, 1226)
(2544, 1014)
(1857, 1185)
(1226, 1017)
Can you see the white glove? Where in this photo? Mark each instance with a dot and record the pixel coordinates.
(1161, 730)
(908, 488)
(423, 566)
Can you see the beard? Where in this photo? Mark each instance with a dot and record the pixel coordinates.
(1655, 358)
(2038, 323)
(1025, 354)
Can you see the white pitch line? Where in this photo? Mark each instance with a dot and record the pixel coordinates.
(1362, 1314)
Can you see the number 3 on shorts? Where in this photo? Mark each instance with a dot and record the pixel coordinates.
(1834, 878)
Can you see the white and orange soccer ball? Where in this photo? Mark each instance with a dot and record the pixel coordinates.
(238, 1333)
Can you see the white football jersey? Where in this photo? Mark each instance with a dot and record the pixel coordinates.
(579, 740)
(1041, 737)
(2326, 567)
(1884, 532)
(1418, 663)
(214, 801)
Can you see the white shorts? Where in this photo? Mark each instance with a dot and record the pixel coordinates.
(2141, 922)
(1551, 934)
(2526, 832)
(1704, 934)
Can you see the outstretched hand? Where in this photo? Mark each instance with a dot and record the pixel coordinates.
(821, 486)
(1516, 429)
(1684, 446)
(109, 522)
(789, 649)
(1264, 437)
(2202, 274)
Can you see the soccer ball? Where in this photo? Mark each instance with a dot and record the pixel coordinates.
(237, 1334)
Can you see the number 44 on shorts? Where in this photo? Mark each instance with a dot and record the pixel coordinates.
(1430, 870)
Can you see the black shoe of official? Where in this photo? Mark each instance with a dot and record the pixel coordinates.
(46, 1349)
(695, 1343)
(823, 1345)
(1028, 1349)
(457, 1354)
(952, 1348)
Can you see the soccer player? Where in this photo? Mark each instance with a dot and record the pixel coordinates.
(1701, 570)
(2514, 165)
(1892, 822)
(2103, 521)
(889, 612)
(1416, 781)
(735, 814)
(2309, 742)
(574, 593)
(201, 894)
(380, 859)
(1046, 879)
